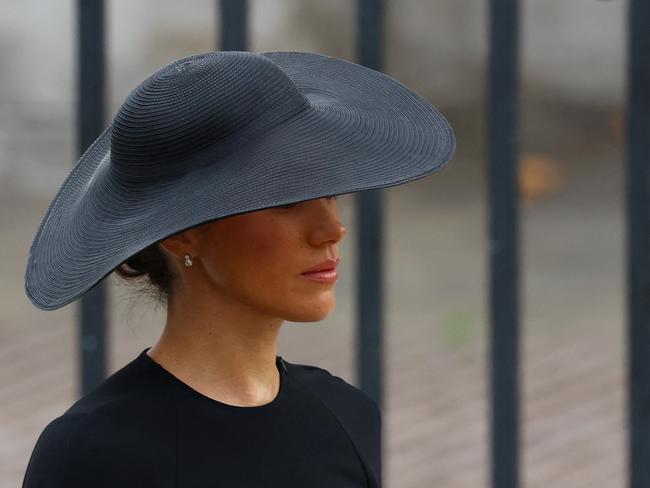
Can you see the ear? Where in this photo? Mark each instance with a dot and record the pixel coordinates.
(180, 244)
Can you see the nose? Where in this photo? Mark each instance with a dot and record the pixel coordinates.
(326, 224)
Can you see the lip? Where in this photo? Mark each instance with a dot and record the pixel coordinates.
(327, 265)
(324, 272)
(329, 276)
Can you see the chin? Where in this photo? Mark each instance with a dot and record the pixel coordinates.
(312, 313)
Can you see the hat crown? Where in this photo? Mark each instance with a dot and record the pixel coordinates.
(192, 103)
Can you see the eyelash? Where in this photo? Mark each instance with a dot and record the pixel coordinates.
(290, 205)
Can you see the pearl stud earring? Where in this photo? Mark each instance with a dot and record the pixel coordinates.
(188, 261)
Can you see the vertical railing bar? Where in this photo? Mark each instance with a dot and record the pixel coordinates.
(503, 241)
(369, 215)
(90, 123)
(234, 25)
(369, 218)
(638, 241)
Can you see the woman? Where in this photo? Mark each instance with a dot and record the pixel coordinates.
(217, 182)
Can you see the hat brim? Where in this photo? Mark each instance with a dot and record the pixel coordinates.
(361, 130)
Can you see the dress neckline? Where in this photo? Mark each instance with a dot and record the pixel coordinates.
(170, 378)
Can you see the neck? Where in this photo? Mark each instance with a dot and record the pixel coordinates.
(221, 349)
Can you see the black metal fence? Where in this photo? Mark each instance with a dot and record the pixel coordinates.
(638, 255)
(502, 95)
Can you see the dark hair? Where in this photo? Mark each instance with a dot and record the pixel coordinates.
(149, 266)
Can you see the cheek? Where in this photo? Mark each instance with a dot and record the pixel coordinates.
(268, 245)
(264, 254)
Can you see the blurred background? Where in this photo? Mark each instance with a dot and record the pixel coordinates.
(436, 249)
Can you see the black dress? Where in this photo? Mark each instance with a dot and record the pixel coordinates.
(143, 427)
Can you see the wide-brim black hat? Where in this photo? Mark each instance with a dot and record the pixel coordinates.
(223, 133)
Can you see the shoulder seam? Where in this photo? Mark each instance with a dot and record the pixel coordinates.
(173, 403)
(347, 434)
(75, 419)
(84, 418)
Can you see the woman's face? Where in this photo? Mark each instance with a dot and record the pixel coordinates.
(258, 258)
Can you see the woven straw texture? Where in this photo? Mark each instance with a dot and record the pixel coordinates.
(223, 133)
